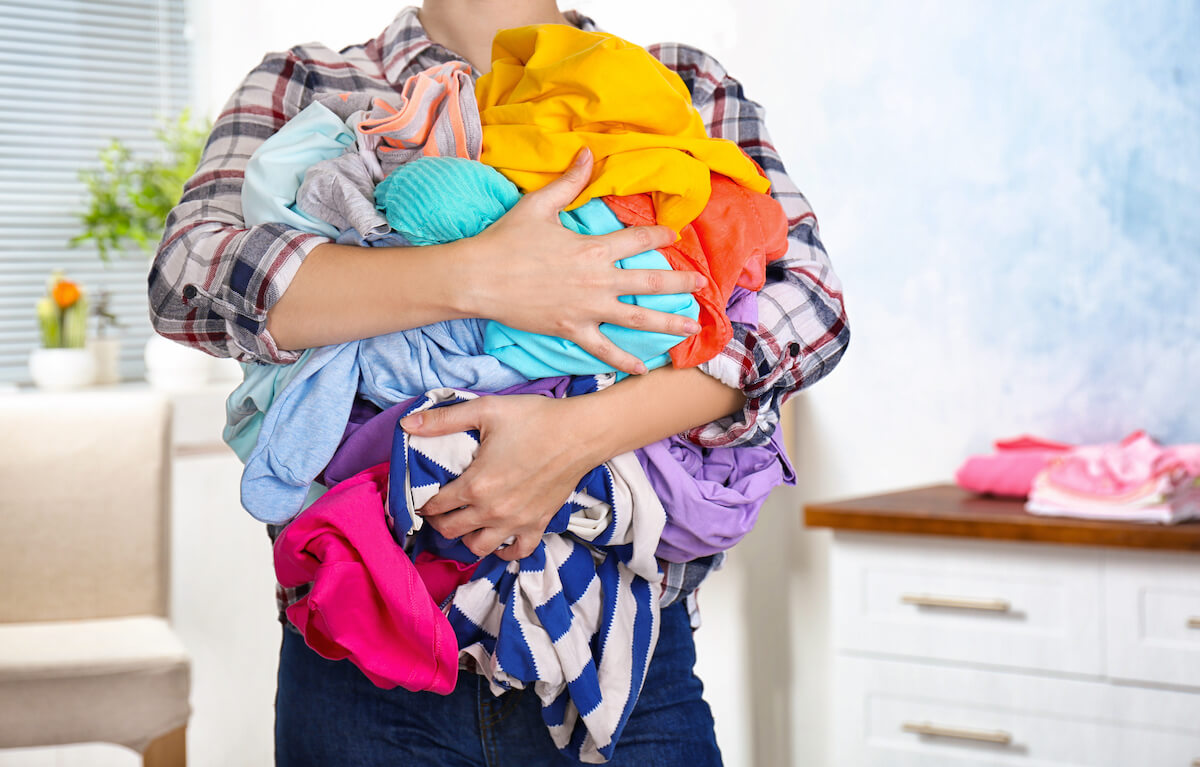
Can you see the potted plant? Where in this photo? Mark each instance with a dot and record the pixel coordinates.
(128, 200)
(62, 362)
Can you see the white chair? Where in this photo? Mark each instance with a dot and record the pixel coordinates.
(86, 654)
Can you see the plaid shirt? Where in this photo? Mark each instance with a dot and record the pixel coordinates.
(214, 279)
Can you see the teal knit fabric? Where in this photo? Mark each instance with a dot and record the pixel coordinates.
(433, 200)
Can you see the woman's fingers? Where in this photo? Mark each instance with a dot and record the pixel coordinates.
(456, 522)
(655, 282)
(522, 547)
(449, 498)
(599, 346)
(649, 320)
(437, 421)
(633, 240)
(485, 541)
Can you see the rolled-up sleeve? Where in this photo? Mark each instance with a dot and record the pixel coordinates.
(802, 329)
(214, 279)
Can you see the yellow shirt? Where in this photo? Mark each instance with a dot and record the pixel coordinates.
(555, 89)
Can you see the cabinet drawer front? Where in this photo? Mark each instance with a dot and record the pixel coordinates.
(902, 714)
(999, 604)
(1153, 617)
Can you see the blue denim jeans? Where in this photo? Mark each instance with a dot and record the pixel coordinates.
(327, 714)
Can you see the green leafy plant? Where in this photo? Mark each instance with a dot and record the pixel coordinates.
(62, 313)
(129, 198)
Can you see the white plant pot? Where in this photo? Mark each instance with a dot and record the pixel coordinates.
(62, 369)
(173, 366)
(107, 353)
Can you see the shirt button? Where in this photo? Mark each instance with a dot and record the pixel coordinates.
(189, 292)
(794, 349)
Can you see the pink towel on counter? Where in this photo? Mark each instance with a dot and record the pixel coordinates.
(1135, 480)
(1126, 469)
(1011, 469)
(369, 603)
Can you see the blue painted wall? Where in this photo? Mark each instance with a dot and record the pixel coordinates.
(1011, 194)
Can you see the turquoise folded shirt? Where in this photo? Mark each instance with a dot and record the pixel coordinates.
(440, 199)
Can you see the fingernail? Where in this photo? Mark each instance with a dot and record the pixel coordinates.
(584, 155)
(692, 328)
(640, 369)
(412, 421)
(701, 282)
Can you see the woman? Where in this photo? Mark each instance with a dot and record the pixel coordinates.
(263, 293)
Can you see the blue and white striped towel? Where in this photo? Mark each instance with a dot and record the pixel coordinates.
(578, 619)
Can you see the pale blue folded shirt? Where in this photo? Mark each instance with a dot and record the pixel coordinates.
(429, 200)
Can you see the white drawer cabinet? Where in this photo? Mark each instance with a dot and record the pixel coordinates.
(1153, 618)
(897, 714)
(960, 600)
(958, 651)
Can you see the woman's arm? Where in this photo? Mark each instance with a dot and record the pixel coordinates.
(533, 450)
(527, 271)
(262, 293)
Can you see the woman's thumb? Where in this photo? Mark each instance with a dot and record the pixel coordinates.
(562, 191)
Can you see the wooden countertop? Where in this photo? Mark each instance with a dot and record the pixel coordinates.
(950, 510)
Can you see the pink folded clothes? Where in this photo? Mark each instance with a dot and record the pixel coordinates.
(1134, 480)
(369, 603)
(1011, 469)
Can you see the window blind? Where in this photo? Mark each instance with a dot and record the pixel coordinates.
(75, 74)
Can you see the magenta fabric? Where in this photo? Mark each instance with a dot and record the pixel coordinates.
(1010, 470)
(442, 576)
(368, 602)
(1131, 468)
(712, 495)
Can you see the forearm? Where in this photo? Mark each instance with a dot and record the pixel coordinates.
(345, 293)
(640, 410)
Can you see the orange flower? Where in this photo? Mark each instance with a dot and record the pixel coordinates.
(65, 293)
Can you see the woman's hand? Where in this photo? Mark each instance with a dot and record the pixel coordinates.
(533, 450)
(531, 457)
(530, 272)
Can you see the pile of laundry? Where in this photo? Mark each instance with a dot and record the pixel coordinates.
(324, 455)
(1135, 480)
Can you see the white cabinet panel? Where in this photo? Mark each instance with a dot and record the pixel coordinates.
(1009, 605)
(1153, 617)
(976, 718)
(223, 608)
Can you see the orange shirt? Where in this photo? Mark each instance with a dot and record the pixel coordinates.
(730, 242)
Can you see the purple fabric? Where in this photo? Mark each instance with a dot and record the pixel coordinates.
(712, 495)
(743, 307)
(368, 442)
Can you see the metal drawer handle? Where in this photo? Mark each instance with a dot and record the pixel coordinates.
(960, 733)
(1194, 623)
(961, 603)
